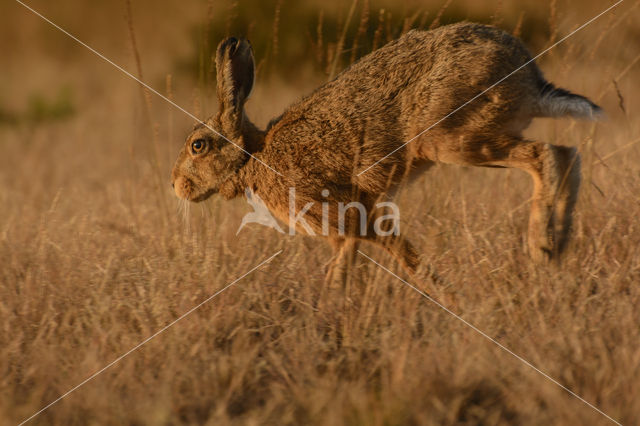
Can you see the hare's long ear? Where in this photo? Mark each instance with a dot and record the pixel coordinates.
(235, 72)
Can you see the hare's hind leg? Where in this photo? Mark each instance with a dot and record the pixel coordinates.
(556, 179)
(567, 162)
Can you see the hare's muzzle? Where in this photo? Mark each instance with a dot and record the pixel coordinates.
(187, 190)
(183, 187)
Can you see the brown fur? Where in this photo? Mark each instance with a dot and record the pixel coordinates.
(388, 97)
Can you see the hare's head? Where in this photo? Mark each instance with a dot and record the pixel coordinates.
(217, 149)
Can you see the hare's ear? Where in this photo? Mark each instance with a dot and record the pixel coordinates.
(235, 72)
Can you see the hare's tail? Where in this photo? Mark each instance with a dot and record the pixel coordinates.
(556, 102)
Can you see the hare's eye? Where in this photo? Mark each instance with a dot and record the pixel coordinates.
(197, 146)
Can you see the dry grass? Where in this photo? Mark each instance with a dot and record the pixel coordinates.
(95, 256)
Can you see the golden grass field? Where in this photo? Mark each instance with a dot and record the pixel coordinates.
(97, 254)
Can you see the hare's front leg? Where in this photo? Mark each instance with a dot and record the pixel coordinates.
(401, 249)
(344, 252)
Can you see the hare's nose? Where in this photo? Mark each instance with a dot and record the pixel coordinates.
(172, 185)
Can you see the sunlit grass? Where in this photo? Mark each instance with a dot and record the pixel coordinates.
(97, 254)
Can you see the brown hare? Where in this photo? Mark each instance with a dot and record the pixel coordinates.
(322, 144)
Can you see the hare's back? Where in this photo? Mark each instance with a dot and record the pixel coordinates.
(418, 79)
(397, 91)
(467, 60)
(455, 58)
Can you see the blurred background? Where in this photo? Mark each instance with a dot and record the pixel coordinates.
(97, 254)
